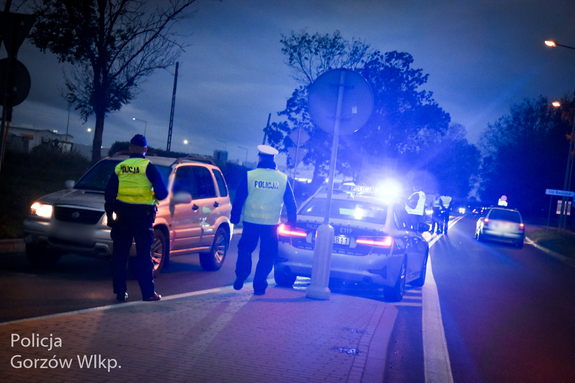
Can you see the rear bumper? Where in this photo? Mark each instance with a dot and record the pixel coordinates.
(374, 269)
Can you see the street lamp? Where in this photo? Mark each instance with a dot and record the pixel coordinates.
(246, 149)
(553, 44)
(145, 123)
(567, 183)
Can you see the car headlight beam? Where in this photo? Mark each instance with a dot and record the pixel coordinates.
(41, 210)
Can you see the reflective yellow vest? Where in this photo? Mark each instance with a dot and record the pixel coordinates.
(266, 188)
(446, 200)
(134, 186)
(420, 205)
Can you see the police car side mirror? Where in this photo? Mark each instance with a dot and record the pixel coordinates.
(181, 198)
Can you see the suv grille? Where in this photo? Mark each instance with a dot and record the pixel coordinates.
(77, 215)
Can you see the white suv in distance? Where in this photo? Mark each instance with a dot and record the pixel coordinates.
(195, 218)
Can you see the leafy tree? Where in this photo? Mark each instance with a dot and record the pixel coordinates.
(524, 155)
(112, 46)
(405, 121)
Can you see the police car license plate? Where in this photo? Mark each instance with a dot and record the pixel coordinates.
(341, 240)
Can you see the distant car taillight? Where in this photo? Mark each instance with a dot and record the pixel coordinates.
(289, 232)
(385, 242)
(521, 226)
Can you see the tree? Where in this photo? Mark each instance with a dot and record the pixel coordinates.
(404, 121)
(112, 46)
(524, 155)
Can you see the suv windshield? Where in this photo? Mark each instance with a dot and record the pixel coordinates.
(346, 209)
(505, 215)
(97, 177)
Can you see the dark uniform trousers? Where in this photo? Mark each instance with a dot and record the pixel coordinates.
(268, 234)
(127, 228)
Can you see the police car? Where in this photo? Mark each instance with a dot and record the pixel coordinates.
(374, 243)
(195, 218)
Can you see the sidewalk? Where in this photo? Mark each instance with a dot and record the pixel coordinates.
(219, 335)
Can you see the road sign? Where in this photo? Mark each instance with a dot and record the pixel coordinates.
(20, 81)
(356, 101)
(560, 193)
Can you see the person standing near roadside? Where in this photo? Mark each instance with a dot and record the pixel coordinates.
(132, 192)
(259, 201)
(445, 205)
(415, 206)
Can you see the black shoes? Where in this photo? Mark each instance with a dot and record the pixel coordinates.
(122, 297)
(259, 292)
(153, 297)
(238, 284)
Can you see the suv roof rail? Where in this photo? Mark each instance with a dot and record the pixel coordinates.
(204, 160)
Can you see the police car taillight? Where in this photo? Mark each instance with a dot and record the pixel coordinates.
(521, 226)
(385, 242)
(289, 232)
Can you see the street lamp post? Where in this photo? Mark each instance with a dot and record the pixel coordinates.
(145, 123)
(567, 182)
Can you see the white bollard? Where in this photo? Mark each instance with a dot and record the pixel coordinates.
(318, 288)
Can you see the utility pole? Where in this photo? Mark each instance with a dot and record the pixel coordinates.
(169, 146)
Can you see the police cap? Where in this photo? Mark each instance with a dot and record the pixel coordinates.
(267, 150)
(139, 140)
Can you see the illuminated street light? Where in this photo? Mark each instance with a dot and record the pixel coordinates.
(567, 183)
(553, 44)
(145, 124)
(568, 171)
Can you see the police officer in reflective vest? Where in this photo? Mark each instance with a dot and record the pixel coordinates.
(259, 200)
(132, 192)
(415, 206)
(445, 204)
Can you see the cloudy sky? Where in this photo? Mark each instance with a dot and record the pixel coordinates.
(482, 56)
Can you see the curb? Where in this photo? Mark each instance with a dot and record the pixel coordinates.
(12, 245)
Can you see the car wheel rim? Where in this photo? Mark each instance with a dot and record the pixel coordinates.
(220, 249)
(157, 253)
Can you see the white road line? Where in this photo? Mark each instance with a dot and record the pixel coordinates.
(437, 365)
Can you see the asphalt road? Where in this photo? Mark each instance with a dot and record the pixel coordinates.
(508, 314)
(77, 282)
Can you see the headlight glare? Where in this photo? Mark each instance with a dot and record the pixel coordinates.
(41, 210)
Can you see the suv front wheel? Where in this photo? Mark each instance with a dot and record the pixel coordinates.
(214, 259)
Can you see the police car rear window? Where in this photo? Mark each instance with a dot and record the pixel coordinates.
(346, 209)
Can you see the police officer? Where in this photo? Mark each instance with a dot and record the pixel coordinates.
(415, 206)
(259, 200)
(437, 218)
(132, 192)
(445, 205)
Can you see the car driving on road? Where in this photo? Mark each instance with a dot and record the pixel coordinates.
(374, 244)
(195, 218)
(501, 224)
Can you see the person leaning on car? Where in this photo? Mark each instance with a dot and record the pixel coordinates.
(132, 192)
(259, 199)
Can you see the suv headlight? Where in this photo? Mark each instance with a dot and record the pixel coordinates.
(41, 210)
(105, 220)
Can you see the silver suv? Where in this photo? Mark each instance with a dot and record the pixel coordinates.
(195, 218)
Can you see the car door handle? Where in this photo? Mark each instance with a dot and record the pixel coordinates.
(195, 207)
(216, 204)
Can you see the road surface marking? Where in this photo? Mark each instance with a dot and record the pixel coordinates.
(436, 361)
